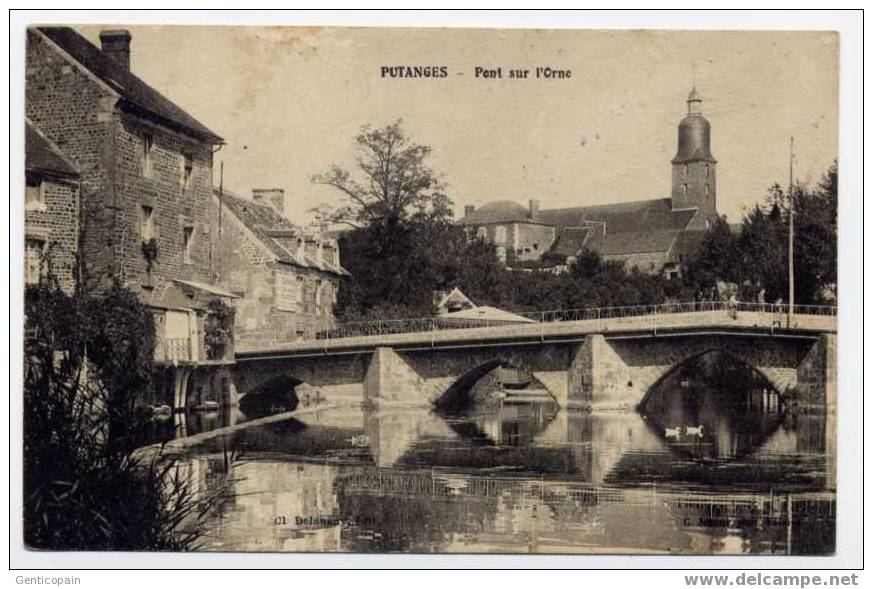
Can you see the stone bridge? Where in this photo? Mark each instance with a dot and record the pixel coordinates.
(600, 363)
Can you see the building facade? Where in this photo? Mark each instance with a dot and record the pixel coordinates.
(51, 212)
(650, 235)
(287, 279)
(145, 187)
(516, 233)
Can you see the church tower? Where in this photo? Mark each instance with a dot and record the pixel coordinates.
(694, 166)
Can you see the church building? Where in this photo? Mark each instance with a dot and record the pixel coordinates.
(651, 235)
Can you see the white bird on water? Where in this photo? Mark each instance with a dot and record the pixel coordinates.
(694, 431)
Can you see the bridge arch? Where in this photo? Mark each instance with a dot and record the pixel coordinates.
(678, 365)
(278, 393)
(460, 392)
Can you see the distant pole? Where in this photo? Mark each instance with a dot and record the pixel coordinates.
(220, 195)
(791, 235)
(220, 205)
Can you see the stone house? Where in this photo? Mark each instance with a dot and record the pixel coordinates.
(145, 170)
(51, 211)
(287, 279)
(650, 235)
(516, 232)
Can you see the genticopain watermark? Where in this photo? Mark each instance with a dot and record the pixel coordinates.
(41, 580)
(766, 580)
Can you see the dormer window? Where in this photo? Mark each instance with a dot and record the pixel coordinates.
(146, 157)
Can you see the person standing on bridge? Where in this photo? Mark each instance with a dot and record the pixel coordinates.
(732, 305)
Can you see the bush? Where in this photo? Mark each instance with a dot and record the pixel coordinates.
(86, 487)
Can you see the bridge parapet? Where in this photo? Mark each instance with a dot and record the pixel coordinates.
(764, 318)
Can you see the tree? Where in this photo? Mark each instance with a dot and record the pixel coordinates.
(758, 255)
(86, 486)
(394, 181)
(716, 258)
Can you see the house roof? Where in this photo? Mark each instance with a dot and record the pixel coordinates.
(136, 95)
(275, 232)
(638, 242)
(498, 211)
(454, 296)
(485, 313)
(41, 155)
(625, 217)
(207, 288)
(571, 240)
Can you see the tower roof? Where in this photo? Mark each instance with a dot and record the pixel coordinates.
(693, 143)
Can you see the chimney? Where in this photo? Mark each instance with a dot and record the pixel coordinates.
(534, 206)
(116, 44)
(271, 197)
(468, 210)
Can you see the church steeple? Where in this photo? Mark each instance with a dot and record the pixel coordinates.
(693, 166)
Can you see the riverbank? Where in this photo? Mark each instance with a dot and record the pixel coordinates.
(181, 444)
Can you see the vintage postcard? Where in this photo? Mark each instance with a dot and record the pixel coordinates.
(430, 290)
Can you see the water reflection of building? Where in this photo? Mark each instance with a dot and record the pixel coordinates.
(270, 496)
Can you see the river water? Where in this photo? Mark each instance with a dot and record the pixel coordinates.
(698, 470)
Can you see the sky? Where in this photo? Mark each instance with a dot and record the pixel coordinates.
(289, 102)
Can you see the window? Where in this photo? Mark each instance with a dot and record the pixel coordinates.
(684, 189)
(188, 242)
(33, 250)
(482, 232)
(686, 170)
(287, 291)
(319, 288)
(34, 196)
(301, 294)
(187, 178)
(706, 190)
(147, 223)
(500, 233)
(706, 166)
(148, 142)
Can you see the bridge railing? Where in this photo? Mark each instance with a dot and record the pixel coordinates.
(644, 312)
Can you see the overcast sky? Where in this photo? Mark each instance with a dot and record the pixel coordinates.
(289, 102)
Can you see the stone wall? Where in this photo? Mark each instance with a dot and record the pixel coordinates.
(80, 114)
(57, 226)
(73, 110)
(648, 262)
(531, 241)
(273, 296)
(817, 375)
(337, 378)
(175, 207)
(519, 241)
(696, 176)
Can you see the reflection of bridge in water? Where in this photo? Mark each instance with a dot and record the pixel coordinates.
(411, 509)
